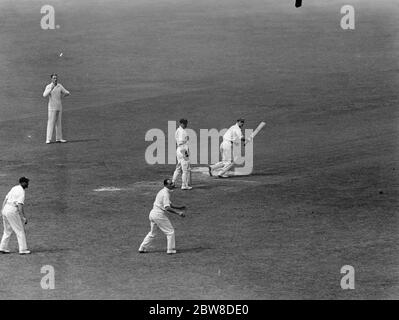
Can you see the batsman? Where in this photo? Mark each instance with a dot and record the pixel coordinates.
(231, 144)
(232, 138)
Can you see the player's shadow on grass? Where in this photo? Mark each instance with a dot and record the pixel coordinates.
(256, 174)
(184, 250)
(50, 250)
(203, 186)
(82, 140)
(261, 174)
(194, 250)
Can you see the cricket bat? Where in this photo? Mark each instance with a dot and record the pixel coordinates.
(256, 131)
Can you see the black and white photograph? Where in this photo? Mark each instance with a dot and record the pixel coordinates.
(199, 150)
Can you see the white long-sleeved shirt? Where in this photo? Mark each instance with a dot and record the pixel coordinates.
(233, 134)
(55, 95)
(181, 137)
(16, 196)
(162, 200)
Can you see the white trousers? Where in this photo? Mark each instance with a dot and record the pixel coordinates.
(183, 167)
(54, 119)
(162, 222)
(226, 150)
(12, 222)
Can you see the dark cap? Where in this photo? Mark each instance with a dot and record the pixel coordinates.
(23, 179)
(240, 120)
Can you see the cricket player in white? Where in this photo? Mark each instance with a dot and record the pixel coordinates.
(231, 141)
(158, 218)
(11, 210)
(183, 156)
(55, 91)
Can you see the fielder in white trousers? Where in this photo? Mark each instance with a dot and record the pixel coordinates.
(54, 120)
(183, 156)
(55, 92)
(11, 210)
(158, 219)
(12, 222)
(161, 221)
(183, 167)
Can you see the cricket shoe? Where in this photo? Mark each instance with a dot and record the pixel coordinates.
(61, 141)
(4, 251)
(171, 252)
(222, 176)
(143, 251)
(186, 188)
(48, 141)
(24, 252)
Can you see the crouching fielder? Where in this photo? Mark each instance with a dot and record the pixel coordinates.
(12, 207)
(183, 156)
(158, 219)
(231, 138)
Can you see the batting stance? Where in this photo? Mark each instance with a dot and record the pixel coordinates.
(158, 219)
(183, 156)
(55, 91)
(11, 210)
(231, 138)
